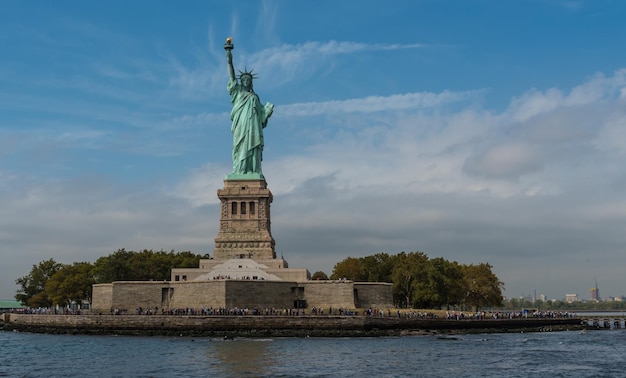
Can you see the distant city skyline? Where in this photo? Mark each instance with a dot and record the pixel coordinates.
(484, 131)
(594, 295)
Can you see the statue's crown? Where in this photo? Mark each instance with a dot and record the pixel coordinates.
(245, 72)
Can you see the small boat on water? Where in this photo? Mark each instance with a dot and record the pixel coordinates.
(447, 338)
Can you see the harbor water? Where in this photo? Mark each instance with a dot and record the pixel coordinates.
(555, 354)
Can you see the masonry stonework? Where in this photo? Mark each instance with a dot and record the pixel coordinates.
(244, 271)
(127, 297)
(245, 227)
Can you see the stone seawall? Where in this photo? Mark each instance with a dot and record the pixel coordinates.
(274, 326)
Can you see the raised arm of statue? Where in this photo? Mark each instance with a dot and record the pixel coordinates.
(231, 69)
(228, 46)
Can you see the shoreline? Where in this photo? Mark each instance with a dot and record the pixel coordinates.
(252, 326)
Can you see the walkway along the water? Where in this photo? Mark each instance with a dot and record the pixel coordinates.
(274, 326)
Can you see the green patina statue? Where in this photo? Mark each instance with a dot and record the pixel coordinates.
(249, 119)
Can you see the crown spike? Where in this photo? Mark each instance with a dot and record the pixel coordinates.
(245, 72)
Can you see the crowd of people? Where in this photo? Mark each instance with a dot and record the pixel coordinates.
(314, 311)
(247, 278)
(47, 311)
(509, 315)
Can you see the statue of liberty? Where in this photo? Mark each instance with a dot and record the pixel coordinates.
(249, 119)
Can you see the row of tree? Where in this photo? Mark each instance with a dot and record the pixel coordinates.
(418, 281)
(51, 283)
(422, 282)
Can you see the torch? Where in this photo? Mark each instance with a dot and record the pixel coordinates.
(228, 46)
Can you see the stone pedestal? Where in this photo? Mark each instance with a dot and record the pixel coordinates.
(245, 230)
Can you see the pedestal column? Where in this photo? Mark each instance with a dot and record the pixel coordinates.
(245, 226)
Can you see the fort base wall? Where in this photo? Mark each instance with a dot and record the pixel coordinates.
(102, 296)
(373, 294)
(128, 296)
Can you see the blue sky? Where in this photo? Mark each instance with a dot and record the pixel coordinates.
(479, 131)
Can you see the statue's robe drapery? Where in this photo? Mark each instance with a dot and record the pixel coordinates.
(249, 118)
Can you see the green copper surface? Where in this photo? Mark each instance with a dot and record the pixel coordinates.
(245, 176)
(249, 118)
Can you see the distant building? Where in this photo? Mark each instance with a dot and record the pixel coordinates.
(569, 298)
(543, 298)
(10, 305)
(594, 294)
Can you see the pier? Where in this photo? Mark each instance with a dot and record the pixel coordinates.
(604, 321)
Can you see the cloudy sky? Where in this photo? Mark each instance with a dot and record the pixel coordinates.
(482, 131)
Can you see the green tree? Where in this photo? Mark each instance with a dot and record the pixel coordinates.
(186, 259)
(149, 265)
(513, 304)
(319, 275)
(123, 265)
(32, 291)
(71, 283)
(378, 267)
(113, 267)
(351, 268)
(407, 270)
(482, 286)
(440, 283)
(51, 283)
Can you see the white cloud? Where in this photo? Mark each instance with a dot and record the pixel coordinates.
(372, 104)
(200, 186)
(507, 161)
(205, 77)
(431, 152)
(612, 136)
(301, 52)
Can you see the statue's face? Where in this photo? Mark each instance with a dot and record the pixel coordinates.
(246, 81)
